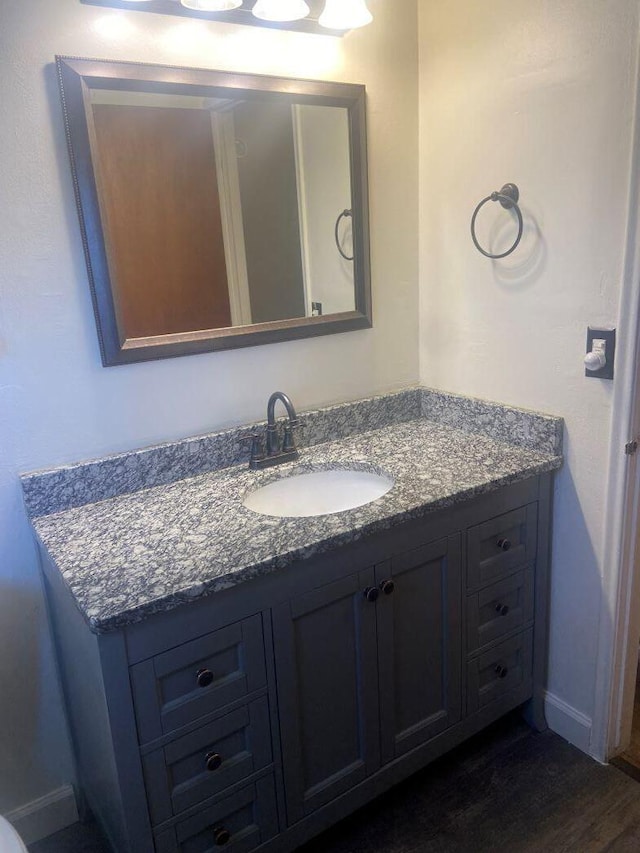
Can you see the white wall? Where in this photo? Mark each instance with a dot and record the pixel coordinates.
(541, 94)
(57, 403)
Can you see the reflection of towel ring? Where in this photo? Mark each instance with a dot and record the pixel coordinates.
(508, 198)
(343, 215)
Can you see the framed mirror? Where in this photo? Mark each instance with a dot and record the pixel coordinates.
(217, 210)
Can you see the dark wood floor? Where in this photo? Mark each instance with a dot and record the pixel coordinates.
(508, 790)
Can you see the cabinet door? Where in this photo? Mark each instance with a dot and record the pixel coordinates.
(419, 639)
(325, 647)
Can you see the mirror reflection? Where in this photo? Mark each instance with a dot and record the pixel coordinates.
(217, 209)
(220, 212)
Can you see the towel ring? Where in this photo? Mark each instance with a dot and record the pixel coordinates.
(345, 214)
(508, 198)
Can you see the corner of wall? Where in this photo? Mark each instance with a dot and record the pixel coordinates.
(568, 722)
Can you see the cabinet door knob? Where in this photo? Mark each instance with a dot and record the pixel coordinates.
(371, 593)
(205, 677)
(221, 836)
(504, 544)
(214, 760)
(387, 587)
(502, 609)
(501, 671)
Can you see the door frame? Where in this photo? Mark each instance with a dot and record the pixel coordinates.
(301, 175)
(224, 146)
(619, 628)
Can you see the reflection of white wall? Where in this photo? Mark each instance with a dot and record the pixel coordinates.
(324, 187)
(57, 403)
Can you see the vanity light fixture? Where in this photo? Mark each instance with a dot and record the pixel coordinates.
(345, 14)
(322, 17)
(211, 5)
(281, 10)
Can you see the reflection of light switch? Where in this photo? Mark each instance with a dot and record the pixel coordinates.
(601, 347)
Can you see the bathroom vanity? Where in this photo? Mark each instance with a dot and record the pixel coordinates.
(242, 681)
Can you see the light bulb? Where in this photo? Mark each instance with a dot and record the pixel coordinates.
(281, 10)
(211, 5)
(345, 14)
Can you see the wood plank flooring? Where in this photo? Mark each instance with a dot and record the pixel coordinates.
(508, 790)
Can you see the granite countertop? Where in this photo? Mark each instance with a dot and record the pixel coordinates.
(133, 554)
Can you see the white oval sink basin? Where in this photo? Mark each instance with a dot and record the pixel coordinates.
(318, 493)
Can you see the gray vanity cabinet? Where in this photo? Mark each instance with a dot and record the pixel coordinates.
(256, 717)
(228, 665)
(367, 669)
(419, 645)
(325, 650)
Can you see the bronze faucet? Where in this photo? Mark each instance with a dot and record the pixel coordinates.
(275, 452)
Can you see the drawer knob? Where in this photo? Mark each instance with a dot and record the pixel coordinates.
(504, 544)
(371, 593)
(205, 677)
(502, 609)
(501, 671)
(221, 836)
(214, 760)
(387, 587)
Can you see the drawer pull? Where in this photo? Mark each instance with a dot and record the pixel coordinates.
(502, 609)
(501, 671)
(221, 836)
(387, 587)
(504, 544)
(371, 593)
(214, 760)
(205, 677)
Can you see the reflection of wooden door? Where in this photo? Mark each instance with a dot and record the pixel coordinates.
(161, 215)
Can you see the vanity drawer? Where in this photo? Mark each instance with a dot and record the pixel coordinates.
(499, 670)
(499, 609)
(240, 823)
(205, 762)
(501, 544)
(183, 684)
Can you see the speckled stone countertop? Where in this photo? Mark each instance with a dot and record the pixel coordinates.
(150, 549)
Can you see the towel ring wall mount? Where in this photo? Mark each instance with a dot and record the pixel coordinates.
(508, 197)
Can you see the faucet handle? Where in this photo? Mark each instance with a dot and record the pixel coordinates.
(257, 445)
(289, 440)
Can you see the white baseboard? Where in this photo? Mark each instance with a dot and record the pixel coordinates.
(567, 721)
(43, 817)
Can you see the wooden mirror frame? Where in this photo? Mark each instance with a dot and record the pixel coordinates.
(78, 76)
